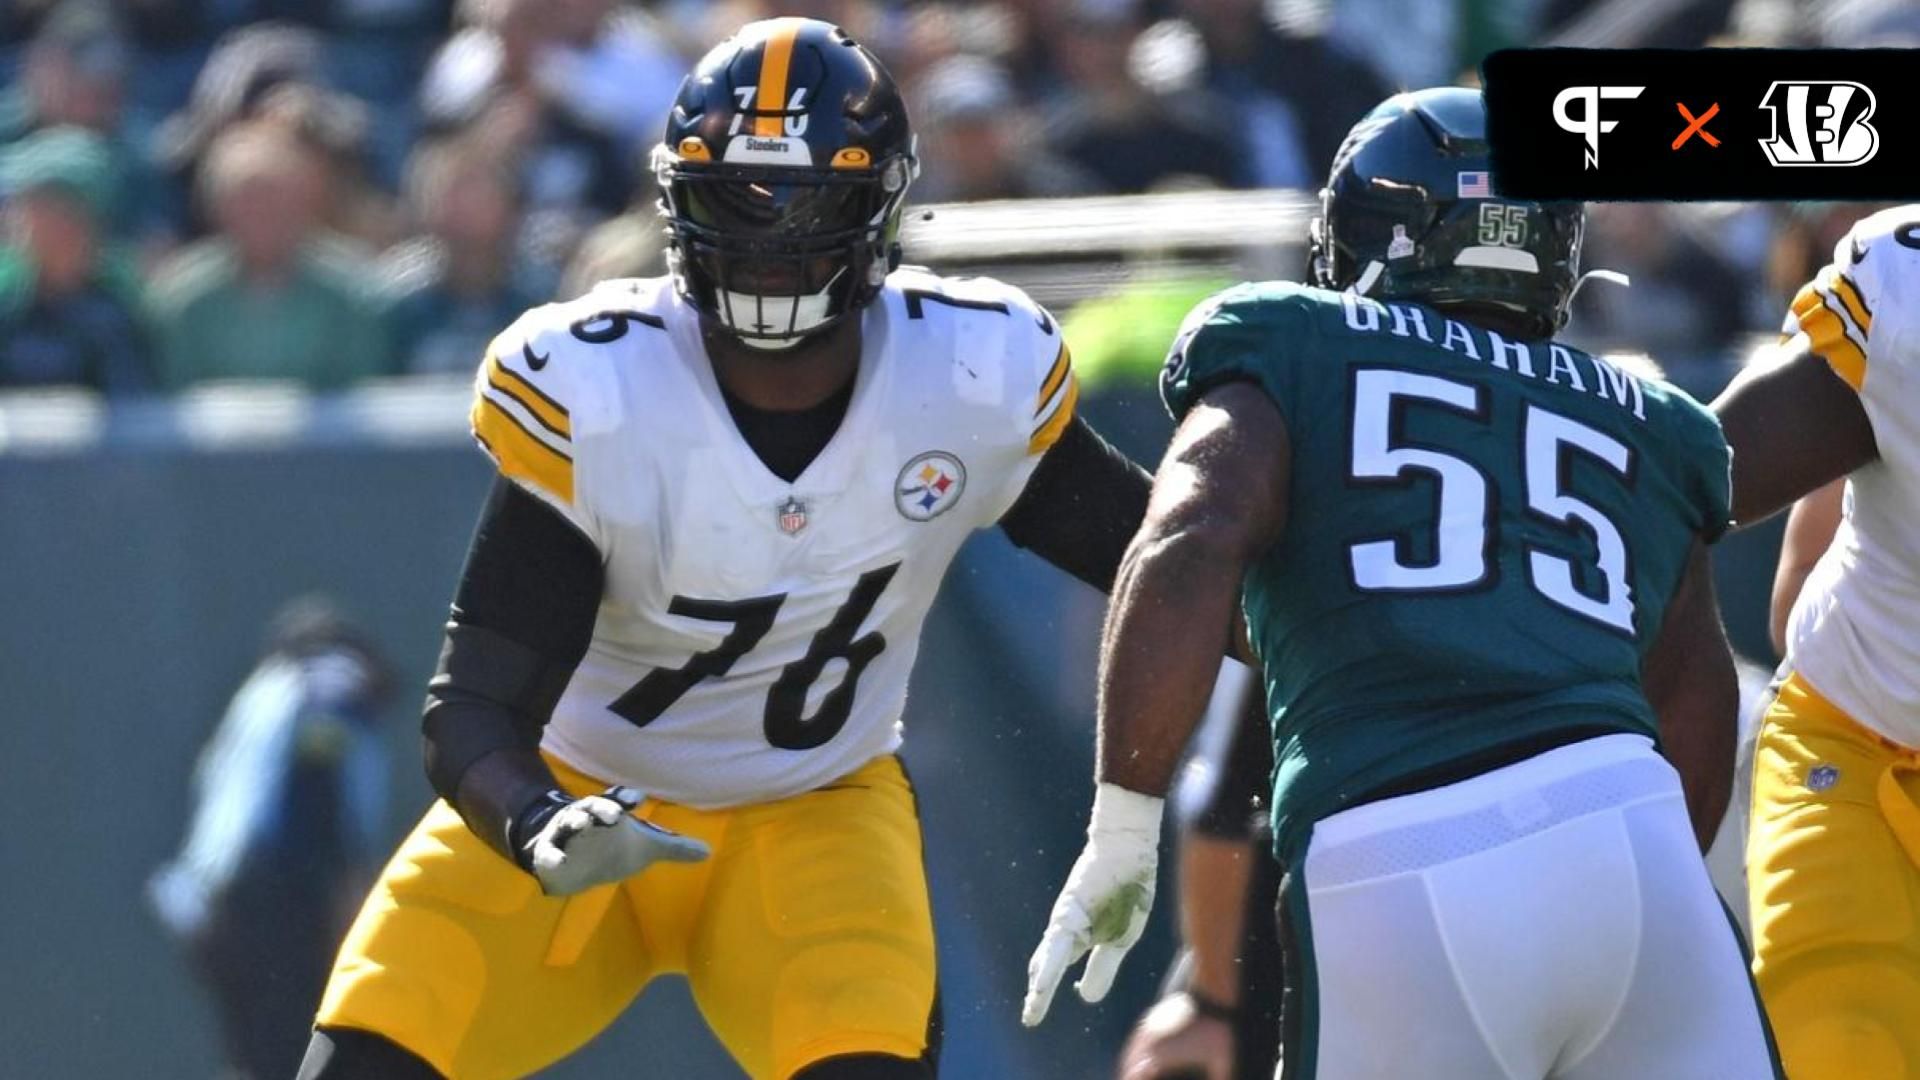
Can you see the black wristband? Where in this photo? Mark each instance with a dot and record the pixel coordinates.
(1209, 1008)
(528, 822)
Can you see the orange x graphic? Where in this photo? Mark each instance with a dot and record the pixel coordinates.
(1698, 125)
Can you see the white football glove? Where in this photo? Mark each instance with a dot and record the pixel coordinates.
(596, 839)
(1104, 905)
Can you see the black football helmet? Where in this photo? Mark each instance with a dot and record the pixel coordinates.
(783, 173)
(1409, 212)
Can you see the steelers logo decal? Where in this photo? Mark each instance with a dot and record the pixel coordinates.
(929, 485)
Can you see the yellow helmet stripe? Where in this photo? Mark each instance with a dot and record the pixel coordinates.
(775, 62)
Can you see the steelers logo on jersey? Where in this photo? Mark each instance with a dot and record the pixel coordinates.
(929, 486)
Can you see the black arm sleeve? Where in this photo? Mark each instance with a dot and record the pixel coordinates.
(522, 617)
(1081, 506)
(1230, 803)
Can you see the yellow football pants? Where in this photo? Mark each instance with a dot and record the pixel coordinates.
(806, 935)
(1833, 865)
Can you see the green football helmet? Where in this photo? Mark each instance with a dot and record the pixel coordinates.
(1409, 213)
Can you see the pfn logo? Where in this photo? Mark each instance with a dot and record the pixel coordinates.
(1589, 125)
(1825, 123)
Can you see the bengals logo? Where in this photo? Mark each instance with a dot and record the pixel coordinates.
(1819, 123)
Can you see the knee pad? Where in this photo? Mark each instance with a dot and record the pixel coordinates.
(867, 1067)
(351, 1054)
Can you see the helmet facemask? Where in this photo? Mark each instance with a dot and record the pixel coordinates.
(775, 254)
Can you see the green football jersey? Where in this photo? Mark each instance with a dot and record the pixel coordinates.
(1482, 535)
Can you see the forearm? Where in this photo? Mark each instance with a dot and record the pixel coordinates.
(1214, 875)
(1691, 683)
(522, 619)
(1702, 753)
(1166, 631)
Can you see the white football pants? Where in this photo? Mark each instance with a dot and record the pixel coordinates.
(1552, 918)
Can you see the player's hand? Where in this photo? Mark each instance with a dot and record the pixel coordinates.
(1176, 1041)
(1104, 906)
(596, 839)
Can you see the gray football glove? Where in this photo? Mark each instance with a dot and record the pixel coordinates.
(576, 844)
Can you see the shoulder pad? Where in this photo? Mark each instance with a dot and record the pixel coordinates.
(1240, 332)
(988, 316)
(1875, 269)
(545, 385)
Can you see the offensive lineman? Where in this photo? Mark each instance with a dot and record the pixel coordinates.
(1833, 848)
(727, 499)
(1475, 577)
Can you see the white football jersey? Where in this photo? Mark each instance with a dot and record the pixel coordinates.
(755, 636)
(1855, 630)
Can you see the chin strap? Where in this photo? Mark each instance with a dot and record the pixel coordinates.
(1369, 277)
(1613, 276)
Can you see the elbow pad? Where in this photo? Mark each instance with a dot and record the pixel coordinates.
(489, 693)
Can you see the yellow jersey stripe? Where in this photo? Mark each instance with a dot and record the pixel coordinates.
(552, 415)
(1826, 329)
(775, 62)
(519, 453)
(1849, 294)
(1049, 386)
(1049, 432)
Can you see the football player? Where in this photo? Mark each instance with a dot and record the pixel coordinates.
(1473, 567)
(1833, 848)
(665, 722)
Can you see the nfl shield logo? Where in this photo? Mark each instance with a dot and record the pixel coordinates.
(1821, 777)
(793, 516)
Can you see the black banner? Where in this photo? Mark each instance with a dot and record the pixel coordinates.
(1704, 123)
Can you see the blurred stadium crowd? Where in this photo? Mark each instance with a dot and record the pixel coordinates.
(328, 190)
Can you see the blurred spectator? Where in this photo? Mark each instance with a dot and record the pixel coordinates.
(570, 88)
(447, 292)
(1804, 237)
(287, 829)
(1114, 128)
(335, 127)
(1296, 94)
(271, 295)
(75, 75)
(1408, 43)
(1686, 300)
(274, 71)
(974, 139)
(70, 308)
(633, 245)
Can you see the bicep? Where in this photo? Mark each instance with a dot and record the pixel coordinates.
(1794, 425)
(1081, 506)
(531, 576)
